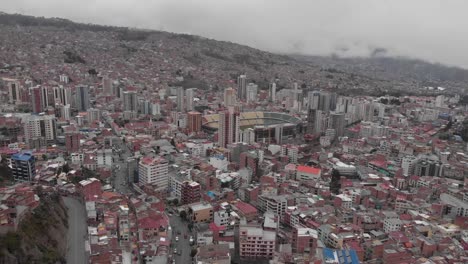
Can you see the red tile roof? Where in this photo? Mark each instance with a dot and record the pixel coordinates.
(214, 227)
(150, 223)
(307, 169)
(246, 208)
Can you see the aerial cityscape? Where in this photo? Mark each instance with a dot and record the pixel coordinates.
(129, 146)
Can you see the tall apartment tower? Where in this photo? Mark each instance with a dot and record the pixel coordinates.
(194, 121)
(229, 97)
(180, 99)
(369, 109)
(311, 115)
(130, 102)
(62, 95)
(337, 122)
(23, 166)
(107, 86)
(39, 98)
(324, 102)
(313, 99)
(14, 90)
(189, 95)
(63, 111)
(228, 131)
(251, 92)
(154, 171)
(37, 127)
(272, 92)
(93, 115)
(241, 87)
(36, 100)
(82, 98)
(72, 141)
(321, 122)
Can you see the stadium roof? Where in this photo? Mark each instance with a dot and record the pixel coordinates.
(252, 119)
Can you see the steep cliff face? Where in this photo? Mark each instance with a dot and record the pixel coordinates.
(41, 236)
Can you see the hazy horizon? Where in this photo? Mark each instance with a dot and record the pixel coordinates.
(432, 30)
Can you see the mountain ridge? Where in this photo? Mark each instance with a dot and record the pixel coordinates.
(382, 73)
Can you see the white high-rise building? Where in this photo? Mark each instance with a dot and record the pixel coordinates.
(313, 99)
(381, 110)
(14, 90)
(155, 109)
(293, 153)
(407, 164)
(130, 102)
(39, 126)
(64, 78)
(64, 111)
(229, 97)
(321, 122)
(369, 109)
(154, 171)
(104, 157)
(107, 86)
(62, 95)
(93, 115)
(247, 136)
(439, 101)
(272, 90)
(241, 85)
(251, 92)
(180, 99)
(190, 94)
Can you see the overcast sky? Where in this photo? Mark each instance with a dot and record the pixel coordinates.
(434, 30)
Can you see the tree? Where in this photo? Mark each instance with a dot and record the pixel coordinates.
(44, 157)
(87, 173)
(92, 72)
(444, 136)
(335, 181)
(66, 168)
(194, 252)
(183, 215)
(175, 202)
(12, 242)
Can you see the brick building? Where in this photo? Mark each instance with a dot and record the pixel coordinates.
(72, 142)
(254, 242)
(91, 189)
(190, 192)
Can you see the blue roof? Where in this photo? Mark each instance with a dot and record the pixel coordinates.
(25, 156)
(342, 256)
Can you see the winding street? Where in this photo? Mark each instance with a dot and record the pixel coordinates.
(183, 245)
(77, 230)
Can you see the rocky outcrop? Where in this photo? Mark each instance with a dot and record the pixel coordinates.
(41, 236)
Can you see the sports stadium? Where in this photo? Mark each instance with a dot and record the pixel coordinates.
(268, 126)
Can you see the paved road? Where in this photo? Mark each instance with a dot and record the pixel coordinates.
(120, 176)
(183, 245)
(77, 230)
